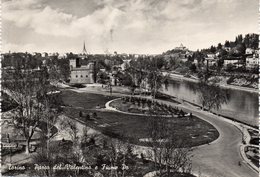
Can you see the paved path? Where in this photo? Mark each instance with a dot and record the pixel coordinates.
(220, 158)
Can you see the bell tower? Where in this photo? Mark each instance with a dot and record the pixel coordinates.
(84, 52)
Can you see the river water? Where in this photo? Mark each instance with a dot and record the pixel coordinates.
(241, 105)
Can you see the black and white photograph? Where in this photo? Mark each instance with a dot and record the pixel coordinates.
(129, 88)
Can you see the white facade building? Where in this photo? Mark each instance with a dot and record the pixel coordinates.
(81, 74)
(252, 61)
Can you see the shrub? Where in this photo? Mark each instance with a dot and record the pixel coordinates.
(78, 86)
(87, 117)
(230, 80)
(94, 115)
(80, 114)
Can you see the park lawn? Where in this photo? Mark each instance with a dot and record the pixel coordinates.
(85, 100)
(132, 128)
(131, 107)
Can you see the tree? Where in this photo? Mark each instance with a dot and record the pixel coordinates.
(71, 127)
(213, 49)
(24, 86)
(239, 39)
(102, 77)
(211, 95)
(64, 69)
(169, 153)
(193, 67)
(240, 48)
(155, 81)
(219, 46)
(227, 44)
(138, 71)
(128, 81)
(220, 64)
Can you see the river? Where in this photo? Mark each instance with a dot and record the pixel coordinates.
(241, 105)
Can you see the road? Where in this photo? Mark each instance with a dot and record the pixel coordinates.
(220, 158)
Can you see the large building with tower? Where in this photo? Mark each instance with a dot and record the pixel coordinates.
(82, 74)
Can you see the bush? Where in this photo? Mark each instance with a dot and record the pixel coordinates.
(94, 115)
(78, 85)
(87, 117)
(230, 80)
(80, 114)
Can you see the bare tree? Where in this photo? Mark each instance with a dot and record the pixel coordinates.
(70, 126)
(169, 153)
(211, 95)
(23, 84)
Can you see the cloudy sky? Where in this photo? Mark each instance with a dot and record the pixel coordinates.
(125, 26)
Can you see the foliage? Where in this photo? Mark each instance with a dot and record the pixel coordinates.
(211, 95)
(30, 89)
(7, 103)
(102, 77)
(172, 156)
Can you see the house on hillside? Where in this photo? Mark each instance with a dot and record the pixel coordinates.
(227, 48)
(181, 47)
(211, 59)
(250, 51)
(236, 62)
(252, 61)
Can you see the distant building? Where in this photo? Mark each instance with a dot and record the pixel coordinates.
(236, 62)
(250, 51)
(81, 74)
(212, 56)
(181, 47)
(211, 59)
(44, 54)
(227, 48)
(252, 61)
(84, 53)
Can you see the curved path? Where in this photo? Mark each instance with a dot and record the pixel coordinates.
(220, 158)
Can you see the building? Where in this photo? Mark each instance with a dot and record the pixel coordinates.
(250, 51)
(227, 48)
(236, 62)
(82, 74)
(252, 61)
(181, 47)
(211, 59)
(84, 53)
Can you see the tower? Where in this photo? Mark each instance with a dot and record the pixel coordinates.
(84, 52)
(72, 63)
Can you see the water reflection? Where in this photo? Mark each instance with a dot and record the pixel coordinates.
(241, 105)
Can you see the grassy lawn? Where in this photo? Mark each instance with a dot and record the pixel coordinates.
(140, 107)
(85, 100)
(132, 127)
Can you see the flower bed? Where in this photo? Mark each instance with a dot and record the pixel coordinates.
(146, 106)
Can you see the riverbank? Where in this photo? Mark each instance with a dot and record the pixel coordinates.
(180, 77)
(219, 158)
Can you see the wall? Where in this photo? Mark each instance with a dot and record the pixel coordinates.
(81, 77)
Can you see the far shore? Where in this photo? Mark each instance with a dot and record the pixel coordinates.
(180, 77)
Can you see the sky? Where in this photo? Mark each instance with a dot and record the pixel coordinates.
(125, 26)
